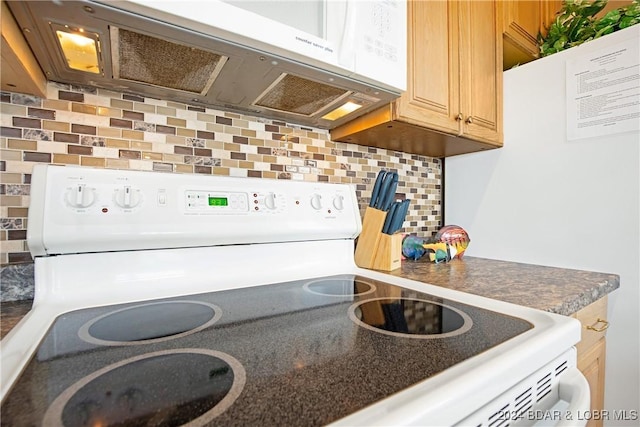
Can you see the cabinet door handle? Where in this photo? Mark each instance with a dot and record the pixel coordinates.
(469, 120)
(604, 326)
(459, 117)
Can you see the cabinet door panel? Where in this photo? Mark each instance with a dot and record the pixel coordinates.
(432, 92)
(592, 351)
(523, 23)
(550, 8)
(480, 70)
(592, 365)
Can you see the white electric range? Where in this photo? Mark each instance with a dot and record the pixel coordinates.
(167, 299)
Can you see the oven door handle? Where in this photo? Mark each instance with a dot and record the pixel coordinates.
(574, 389)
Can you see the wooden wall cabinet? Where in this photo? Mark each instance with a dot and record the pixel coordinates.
(20, 71)
(592, 352)
(522, 21)
(453, 102)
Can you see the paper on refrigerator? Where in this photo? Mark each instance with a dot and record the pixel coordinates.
(603, 91)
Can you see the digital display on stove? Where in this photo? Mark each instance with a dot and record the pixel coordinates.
(218, 201)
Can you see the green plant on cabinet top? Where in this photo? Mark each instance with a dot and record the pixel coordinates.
(576, 23)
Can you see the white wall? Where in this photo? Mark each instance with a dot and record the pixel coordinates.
(545, 200)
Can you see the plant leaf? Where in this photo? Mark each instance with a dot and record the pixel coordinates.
(628, 21)
(603, 31)
(610, 18)
(594, 8)
(559, 44)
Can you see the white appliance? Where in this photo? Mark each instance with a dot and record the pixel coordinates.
(237, 301)
(363, 40)
(318, 63)
(545, 199)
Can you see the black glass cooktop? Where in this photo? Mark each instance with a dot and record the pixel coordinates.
(305, 352)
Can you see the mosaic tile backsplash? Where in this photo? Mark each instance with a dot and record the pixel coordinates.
(104, 129)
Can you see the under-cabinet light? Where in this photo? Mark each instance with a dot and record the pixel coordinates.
(341, 111)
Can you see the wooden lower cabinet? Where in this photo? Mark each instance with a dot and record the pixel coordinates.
(592, 353)
(591, 364)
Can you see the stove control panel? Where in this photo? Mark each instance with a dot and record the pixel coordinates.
(77, 209)
(215, 202)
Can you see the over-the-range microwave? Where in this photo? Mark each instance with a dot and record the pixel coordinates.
(314, 62)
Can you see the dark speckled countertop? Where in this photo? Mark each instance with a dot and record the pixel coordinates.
(557, 290)
(10, 313)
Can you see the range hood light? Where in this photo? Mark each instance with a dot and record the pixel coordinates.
(341, 111)
(80, 51)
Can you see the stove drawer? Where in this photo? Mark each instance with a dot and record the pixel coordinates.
(555, 395)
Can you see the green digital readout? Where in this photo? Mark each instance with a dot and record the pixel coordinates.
(218, 201)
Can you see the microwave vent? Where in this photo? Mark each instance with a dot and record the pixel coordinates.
(298, 95)
(146, 59)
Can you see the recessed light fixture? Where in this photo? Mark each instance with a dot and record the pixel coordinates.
(79, 50)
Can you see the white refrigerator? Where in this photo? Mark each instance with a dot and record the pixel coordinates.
(546, 198)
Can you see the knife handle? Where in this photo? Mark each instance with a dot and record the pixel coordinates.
(388, 191)
(386, 228)
(375, 193)
(401, 213)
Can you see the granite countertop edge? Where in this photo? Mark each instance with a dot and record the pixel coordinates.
(569, 307)
(553, 289)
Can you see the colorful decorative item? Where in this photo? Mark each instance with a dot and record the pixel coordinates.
(412, 247)
(440, 252)
(448, 243)
(456, 236)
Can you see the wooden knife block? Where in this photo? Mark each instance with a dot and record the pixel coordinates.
(376, 250)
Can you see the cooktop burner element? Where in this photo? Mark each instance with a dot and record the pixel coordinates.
(163, 388)
(409, 317)
(340, 286)
(151, 322)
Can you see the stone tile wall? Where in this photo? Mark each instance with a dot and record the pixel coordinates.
(96, 128)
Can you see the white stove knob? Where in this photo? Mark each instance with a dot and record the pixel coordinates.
(127, 197)
(270, 201)
(316, 201)
(338, 202)
(80, 196)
